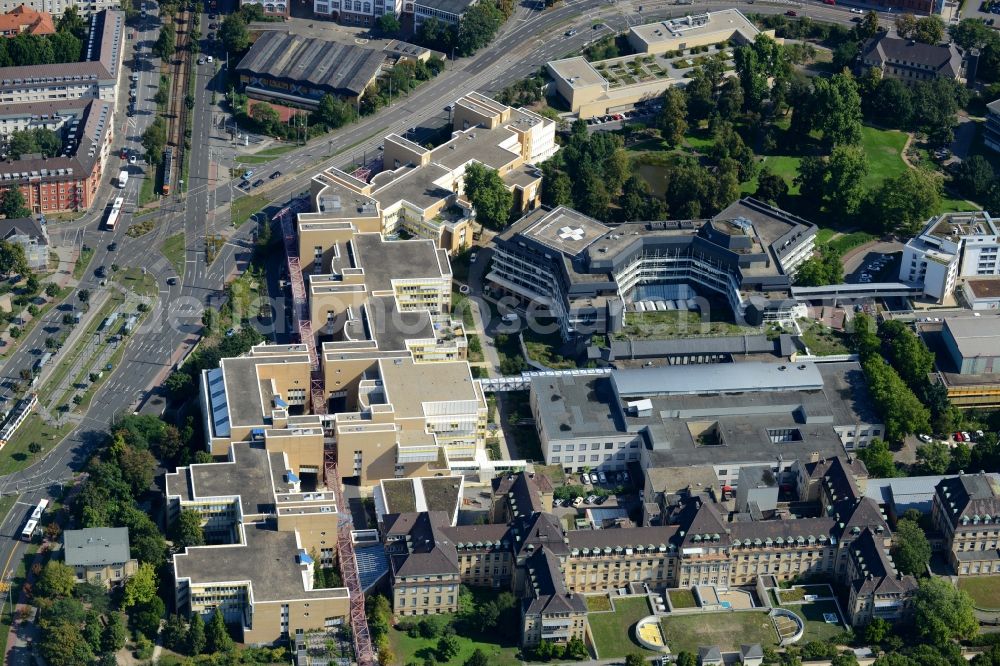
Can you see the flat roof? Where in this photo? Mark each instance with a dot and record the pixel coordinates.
(564, 230)
(414, 184)
(985, 288)
(409, 386)
(716, 378)
(391, 327)
(385, 260)
(268, 561)
(577, 72)
(975, 336)
(722, 23)
(249, 398)
(252, 475)
(318, 62)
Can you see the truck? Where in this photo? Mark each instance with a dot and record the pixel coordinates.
(122, 177)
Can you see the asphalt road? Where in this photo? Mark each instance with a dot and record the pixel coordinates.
(529, 39)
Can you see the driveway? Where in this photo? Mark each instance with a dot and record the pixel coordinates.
(857, 258)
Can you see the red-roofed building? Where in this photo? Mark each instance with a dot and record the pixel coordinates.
(24, 19)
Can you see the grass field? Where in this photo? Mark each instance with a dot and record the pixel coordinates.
(727, 630)
(847, 241)
(82, 262)
(682, 598)
(173, 250)
(984, 590)
(817, 628)
(824, 236)
(244, 207)
(676, 323)
(542, 348)
(884, 149)
(266, 155)
(419, 649)
(598, 602)
(823, 341)
(613, 632)
(15, 455)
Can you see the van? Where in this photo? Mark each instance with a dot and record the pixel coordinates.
(509, 318)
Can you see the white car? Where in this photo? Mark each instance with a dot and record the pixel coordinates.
(131, 159)
(593, 477)
(591, 499)
(577, 502)
(584, 479)
(210, 60)
(857, 11)
(924, 438)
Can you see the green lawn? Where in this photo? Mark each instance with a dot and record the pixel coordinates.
(418, 649)
(82, 262)
(676, 324)
(844, 243)
(727, 630)
(824, 341)
(614, 633)
(884, 149)
(266, 155)
(15, 455)
(984, 590)
(817, 629)
(173, 250)
(147, 187)
(682, 598)
(134, 279)
(824, 236)
(599, 602)
(542, 348)
(244, 207)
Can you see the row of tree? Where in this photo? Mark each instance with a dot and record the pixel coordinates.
(477, 27)
(65, 45)
(38, 140)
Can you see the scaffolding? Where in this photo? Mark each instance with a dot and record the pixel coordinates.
(345, 544)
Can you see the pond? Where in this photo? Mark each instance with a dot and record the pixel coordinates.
(655, 176)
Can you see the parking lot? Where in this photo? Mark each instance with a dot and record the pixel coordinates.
(873, 267)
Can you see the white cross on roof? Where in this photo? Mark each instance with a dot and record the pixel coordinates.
(571, 233)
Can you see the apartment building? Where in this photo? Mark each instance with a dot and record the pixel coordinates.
(618, 84)
(367, 12)
(270, 7)
(965, 512)
(53, 96)
(876, 590)
(911, 61)
(56, 8)
(449, 12)
(419, 190)
(951, 247)
(671, 416)
(67, 182)
(99, 555)
(33, 237)
(266, 534)
(588, 275)
(25, 19)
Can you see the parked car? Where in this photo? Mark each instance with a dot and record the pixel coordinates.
(593, 477)
(556, 503)
(979, 435)
(957, 437)
(591, 499)
(791, 12)
(131, 159)
(258, 182)
(577, 502)
(212, 26)
(584, 479)
(602, 476)
(472, 257)
(924, 438)
(601, 500)
(274, 175)
(966, 437)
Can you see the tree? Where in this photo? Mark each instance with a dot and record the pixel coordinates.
(878, 459)
(837, 105)
(868, 27)
(166, 42)
(942, 612)
(265, 115)
(837, 181)
(933, 458)
(115, 633)
(57, 580)
(634, 659)
(154, 140)
(72, 22)
(447, 647)
(187, 529)
(62, 644)
(685, 658)
(911, 551)
(891, 101)
(972, 33)
(904, 202)
(12, 204)
(141, 587)
(576, 649)
(929, 29)
(671, 119)
(488, 194)
(877, 630)
(771, 187)
(195, 640)
(12, 259)
(975, 176)
(333, 111)
(388, 24)
(217, 635)
(477, 27)
(234, 34)
(477, 658)
(906, 26)
(901, 410)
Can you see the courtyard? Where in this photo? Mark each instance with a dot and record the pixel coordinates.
(727, 629)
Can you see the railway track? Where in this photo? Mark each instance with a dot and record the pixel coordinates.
(176, 111)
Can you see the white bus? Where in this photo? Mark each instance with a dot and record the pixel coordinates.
(31, 527)
(116, 210)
